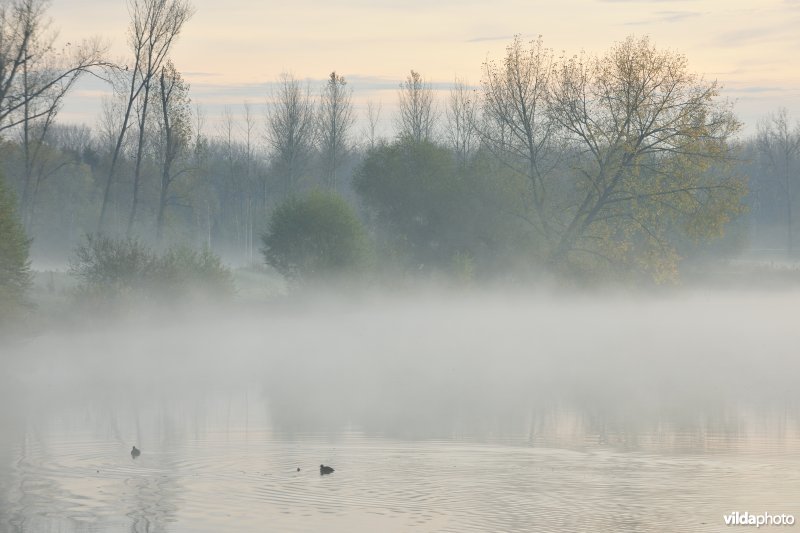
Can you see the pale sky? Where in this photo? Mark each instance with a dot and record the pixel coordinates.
(232, 49)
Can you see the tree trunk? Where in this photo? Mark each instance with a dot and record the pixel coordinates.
(137, 173)
(162, 205)
(117, 149)
(789, 235)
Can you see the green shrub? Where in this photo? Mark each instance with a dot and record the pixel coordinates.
(114, 270)
(182, 270)
(113, 265)
(315, 237)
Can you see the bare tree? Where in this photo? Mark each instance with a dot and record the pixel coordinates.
(109, 122)
(41, 161)
(231, 179)
(33, 134)
(35, 77)
(200, 189)
(517, 127)
(373, 116)
(77, 140)
(161, 23)
(417, 115)
(290, 130)
(175, 134)
(249, 128)
(108, 126)
(462, 120)
(251, 202)
(154, 26)
(226, 129)
(56, 152)
(335, 121)
(779, 146)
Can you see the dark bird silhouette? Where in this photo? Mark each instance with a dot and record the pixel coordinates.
(135, 452)
(298, 468)
(325, 470)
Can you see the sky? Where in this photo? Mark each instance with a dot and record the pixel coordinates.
(231, 51)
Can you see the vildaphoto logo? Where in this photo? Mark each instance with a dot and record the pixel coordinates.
(764, 519)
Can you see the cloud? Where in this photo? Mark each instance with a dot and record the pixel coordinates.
(201, 74)
(781, 28)
(754, 89)
(752, 35)
(494, 38)
(667, 17)
(235, 93)
(506, 37)
(376, 83)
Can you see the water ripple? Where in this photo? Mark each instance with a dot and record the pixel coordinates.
(79, 482)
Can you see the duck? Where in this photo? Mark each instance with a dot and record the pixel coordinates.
(135, 452)
(325, 470)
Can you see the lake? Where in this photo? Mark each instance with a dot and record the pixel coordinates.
(470, 413)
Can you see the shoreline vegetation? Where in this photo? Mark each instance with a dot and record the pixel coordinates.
(57, 298)
(623, 169)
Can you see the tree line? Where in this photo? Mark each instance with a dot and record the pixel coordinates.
(623, 162)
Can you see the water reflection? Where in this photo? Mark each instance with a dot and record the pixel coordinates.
(464, 424)
(213, 458)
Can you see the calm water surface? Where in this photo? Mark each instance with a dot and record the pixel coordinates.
(460, 434)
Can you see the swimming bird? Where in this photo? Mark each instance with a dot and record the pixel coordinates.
(135, 452)
(325, 470)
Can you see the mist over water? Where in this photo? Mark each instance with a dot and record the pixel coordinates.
(441, 412)
(479, 307)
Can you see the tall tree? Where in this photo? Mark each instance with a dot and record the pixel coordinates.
(371, 127)
(417, 114)
(175, 134)
(462, 120)
(154, 26)
(517, 127)
(648, 138)
(252, 200)
(335, 122)
(290, 130)
(41, 161)
(779, 148)
(35, 76)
